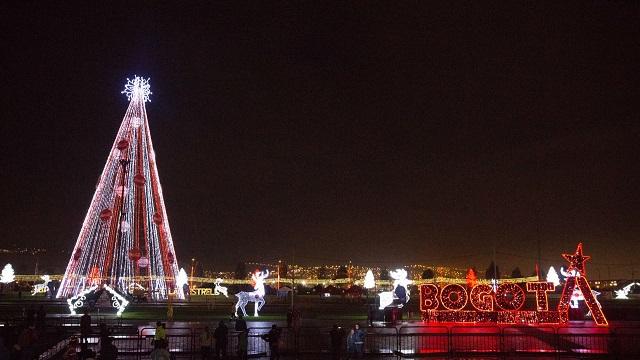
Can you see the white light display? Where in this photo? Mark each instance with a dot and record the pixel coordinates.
(41, 288)
(624, 292)
(137, 87)
(78, 300)
(256, 296)
(369, 280)
(182, 278)
(118, 301)
(219, 289)
(8, 275)
(400, 280)
(552, 276)
(126, 233)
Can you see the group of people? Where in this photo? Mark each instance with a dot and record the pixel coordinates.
(355, 341)
(213, 344)
(107, 349)
(218, 340)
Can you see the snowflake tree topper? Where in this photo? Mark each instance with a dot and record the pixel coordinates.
(137, 88)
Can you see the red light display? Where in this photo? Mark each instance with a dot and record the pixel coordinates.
(510, 298)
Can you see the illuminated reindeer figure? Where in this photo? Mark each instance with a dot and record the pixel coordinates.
(256, 296)
(218, 289)
(41, 288)
(400, 280)
(622, 293)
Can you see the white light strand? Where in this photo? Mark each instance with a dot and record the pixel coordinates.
(119, 302)
(78, 300)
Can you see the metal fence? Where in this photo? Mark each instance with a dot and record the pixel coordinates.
(403, 342)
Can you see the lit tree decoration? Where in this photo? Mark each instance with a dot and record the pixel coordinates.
(472, 278)
(552, 276)
(125, 236)
(622, 293)
(8, 275)
(138, 87)
(369, 280)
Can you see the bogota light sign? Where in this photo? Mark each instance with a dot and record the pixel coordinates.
(453, 303)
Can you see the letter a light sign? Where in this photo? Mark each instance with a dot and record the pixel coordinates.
(481, 303)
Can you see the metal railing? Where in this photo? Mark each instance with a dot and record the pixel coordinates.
(403, 341)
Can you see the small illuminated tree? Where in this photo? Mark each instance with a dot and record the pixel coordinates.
(552, 276)
(8, 275)
(369, 280)
(472, 278)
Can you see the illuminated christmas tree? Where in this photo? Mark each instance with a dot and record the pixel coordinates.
(369, 280)
(8, 275)
(552, 276)
(125, 237)
(472, 278)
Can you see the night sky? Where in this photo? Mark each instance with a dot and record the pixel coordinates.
(332, 131)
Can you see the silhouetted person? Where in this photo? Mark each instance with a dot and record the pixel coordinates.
(241, 327)
(31, 314)
(160, 336)
(108, 351)
(41, 316)
(220, 334)
(336, 334)
(160, 352)
(205, 343)
(273, 338)
(85, 327)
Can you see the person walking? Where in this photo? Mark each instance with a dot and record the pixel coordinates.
(351, 344)
(359, 335)
(243, 337)
(206, 339)
(160, 336)
(220, 334)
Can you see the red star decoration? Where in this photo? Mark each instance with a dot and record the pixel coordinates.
(576, 261)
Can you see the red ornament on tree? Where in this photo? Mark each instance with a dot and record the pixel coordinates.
(139, 180)
(157, 219)
(77, 254)
(122, 145)
(170, 257)
(143, 262)
(105, 214)
(134, 254)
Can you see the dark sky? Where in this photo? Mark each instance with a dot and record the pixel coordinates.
(377, 132)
